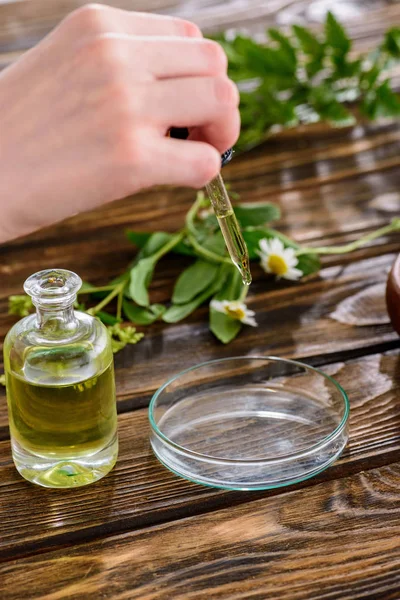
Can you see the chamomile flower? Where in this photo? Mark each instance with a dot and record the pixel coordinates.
(278, 260)
(236, 310)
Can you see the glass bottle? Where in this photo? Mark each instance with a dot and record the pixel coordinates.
(60, 388)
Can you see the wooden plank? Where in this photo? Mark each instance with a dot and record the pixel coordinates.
(140, 492)
(336, 540)
(24, 23)
(292, 323)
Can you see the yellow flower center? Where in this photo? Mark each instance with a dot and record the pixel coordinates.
(236, 313)
(277, 264)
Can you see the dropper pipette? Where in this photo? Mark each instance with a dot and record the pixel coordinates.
(228, 223)
(224, 212)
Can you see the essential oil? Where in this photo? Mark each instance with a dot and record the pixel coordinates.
(60, 388)
(230, 228)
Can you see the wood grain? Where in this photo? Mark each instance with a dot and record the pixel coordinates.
(140, 492)
(336, 541)
(24, 23)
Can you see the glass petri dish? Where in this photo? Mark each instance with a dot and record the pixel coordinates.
(249, 423)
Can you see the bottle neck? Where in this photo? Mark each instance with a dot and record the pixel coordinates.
(56, 320)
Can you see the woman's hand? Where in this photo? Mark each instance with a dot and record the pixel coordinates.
(84, 115)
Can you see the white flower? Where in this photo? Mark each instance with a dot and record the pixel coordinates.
(277, 259)
(236, 310)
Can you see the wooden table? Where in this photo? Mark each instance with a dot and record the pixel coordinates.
(144, 533)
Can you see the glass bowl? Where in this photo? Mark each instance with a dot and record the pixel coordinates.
(249, 423)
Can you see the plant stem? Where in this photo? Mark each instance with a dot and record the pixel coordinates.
(394, 226)
(193, 212)
(168, 246)
(192, 234)
(119, 303)
(93, 290)
(117, 289)
(207, 254)
(244, 292)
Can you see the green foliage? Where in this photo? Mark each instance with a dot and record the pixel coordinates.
(142, 315)
(336, 37)
(253, 214)
(123, 335)
(194, 280)
(300, 77)
(141, 275)
(20, 305)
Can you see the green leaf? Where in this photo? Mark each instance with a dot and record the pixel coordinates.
(369, 78)
(2, 379)
(336, 37)
(157, 245)
(107, 318)
(177, 312)
(312, 48)
(392, 42)
(381, 102)
(322, 99)
(285, 45)
(224, 327)
(232, 286)
(257, 213)
(309, 264)
(139, 238)
(215, 243)
(344, 67)
(155, 242)
(184, 247)
(388, 102)
(142, 315)
(309, 43)
(194, 280)
(141, 275)
(261, 60)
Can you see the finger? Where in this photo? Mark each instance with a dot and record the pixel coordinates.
(193, 102)
(181, 162)
(167, 57)
(222, 135)
(98, 18)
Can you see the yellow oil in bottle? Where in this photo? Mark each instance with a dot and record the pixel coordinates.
(66, 425)
(63, 421)
(60, 388)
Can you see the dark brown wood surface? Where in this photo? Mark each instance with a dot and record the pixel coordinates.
(144, 533)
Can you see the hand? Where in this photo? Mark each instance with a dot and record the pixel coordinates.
(84, 115)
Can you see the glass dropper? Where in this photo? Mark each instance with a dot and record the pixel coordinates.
(228, 222)
(224, 212)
